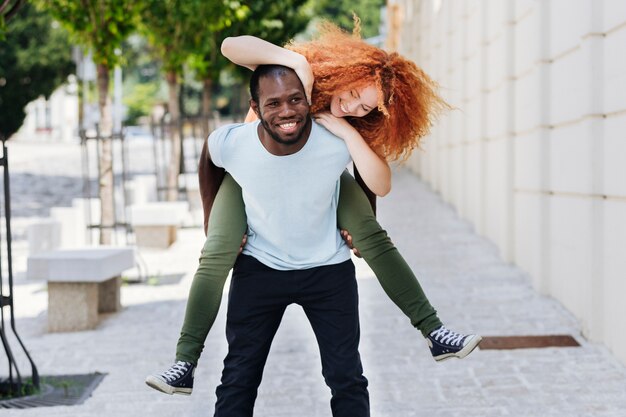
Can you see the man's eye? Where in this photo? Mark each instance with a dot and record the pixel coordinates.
(272, 103)
(296, 99)
(352, 93)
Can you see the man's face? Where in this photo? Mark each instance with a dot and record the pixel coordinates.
(283, 109)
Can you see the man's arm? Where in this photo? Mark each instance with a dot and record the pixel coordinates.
(370, 195)
(210, 178)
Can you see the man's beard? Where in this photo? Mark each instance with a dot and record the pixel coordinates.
(278, 139)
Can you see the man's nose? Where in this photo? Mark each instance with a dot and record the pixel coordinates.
(287, 109)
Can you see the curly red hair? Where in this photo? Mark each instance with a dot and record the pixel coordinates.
(408, 101)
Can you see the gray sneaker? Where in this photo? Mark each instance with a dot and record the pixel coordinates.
(176, 380)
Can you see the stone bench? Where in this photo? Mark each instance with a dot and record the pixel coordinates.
(156, 224)
(81, 284)
(142, 189)
(43, 236)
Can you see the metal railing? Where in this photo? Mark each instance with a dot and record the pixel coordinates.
(14, 385)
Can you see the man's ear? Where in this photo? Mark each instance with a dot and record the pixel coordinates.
(255, 108)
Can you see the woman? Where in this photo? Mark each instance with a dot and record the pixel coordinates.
(381, 105)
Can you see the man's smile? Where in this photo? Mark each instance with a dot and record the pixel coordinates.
(288, 127)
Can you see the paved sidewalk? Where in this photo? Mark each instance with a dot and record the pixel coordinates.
(465, 279)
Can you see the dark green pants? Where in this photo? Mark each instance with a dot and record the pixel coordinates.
(227, 225)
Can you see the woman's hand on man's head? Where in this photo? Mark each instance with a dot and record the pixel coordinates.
(305, 73)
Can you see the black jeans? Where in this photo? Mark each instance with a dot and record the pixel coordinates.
(257, 300)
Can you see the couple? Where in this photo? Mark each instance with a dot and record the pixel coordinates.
(289, 169)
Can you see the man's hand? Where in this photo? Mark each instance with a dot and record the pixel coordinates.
(348, 239)
(243, 243)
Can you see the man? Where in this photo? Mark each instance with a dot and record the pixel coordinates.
(288, 168)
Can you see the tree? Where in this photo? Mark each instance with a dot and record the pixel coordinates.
(101, 26)
(177, 30)
(276, 22)
(166, 25)
(205, 58)
(35, 59)
(340, 12)
(8, 9)
(143, 83)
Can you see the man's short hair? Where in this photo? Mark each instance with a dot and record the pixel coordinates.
(265, 71)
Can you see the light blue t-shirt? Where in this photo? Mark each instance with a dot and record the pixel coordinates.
(291, 201)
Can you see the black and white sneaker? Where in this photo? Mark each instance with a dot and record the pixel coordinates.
(446, 344)
(176, 380)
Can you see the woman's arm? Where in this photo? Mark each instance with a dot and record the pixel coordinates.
(373, 169)
(250, 52)
(251, 116)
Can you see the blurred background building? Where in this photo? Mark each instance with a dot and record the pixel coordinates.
(534, 154)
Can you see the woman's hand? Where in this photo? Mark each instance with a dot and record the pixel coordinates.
(338, 126)
(305, 73)
(374, 170)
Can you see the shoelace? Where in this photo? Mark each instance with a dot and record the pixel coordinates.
(448, 336)
(176, 371)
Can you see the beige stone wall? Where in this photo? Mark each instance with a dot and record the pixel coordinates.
(535, 155)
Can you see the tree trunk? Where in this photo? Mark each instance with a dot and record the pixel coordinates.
(105, 176)
(207, 89)
(175, 152)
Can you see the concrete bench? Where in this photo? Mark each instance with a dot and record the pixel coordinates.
(142, 189)
(81, 284)
(156, 224)
(43, 236)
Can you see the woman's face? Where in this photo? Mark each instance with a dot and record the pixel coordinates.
(354, 103)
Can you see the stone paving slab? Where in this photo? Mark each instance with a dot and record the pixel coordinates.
(472, 288)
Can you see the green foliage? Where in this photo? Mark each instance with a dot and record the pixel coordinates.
(34, 60)
(140, 100)
(275, 22)
(139, 63)
(205, 59)
(168, 25)
(100, 25)
(340, 12)
(8, 390)
(143, 84)
(8, 9)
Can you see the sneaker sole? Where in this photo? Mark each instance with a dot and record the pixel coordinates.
(159, 385)
(469, 348)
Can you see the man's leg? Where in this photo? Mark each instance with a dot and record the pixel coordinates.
(256, 303)
(329, 298)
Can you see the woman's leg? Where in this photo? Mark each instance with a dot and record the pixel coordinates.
(227, 225)
(355, 215)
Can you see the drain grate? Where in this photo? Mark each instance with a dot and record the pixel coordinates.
(58, 390)
(527, 342)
